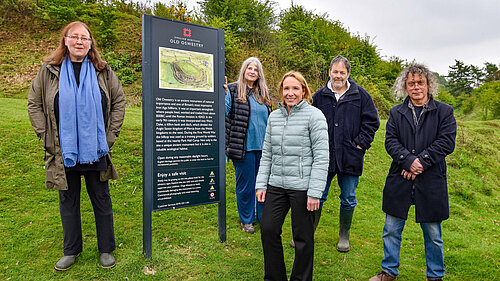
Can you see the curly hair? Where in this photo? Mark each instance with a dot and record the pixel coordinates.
(399, 87)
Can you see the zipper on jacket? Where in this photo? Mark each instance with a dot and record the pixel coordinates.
(282, 153)
(301, 167)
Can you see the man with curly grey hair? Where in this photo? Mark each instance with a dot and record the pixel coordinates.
(420, 133)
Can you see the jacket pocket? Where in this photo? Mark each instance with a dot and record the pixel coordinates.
(353, 160)
(50, 170)
(49, 138)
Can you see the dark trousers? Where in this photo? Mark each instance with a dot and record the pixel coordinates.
(69, 206)
(278, 202)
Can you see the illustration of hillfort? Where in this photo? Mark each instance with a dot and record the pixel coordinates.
(186, 70)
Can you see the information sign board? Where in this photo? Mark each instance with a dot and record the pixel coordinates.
(183, 117)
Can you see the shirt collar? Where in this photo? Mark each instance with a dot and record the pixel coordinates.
(337, 95)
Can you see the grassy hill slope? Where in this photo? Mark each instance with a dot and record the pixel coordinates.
(185, 241)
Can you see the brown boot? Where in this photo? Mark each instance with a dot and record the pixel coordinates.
(383, 276)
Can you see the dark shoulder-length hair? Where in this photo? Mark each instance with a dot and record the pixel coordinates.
(57, 57)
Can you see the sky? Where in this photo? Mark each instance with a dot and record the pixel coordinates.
(433, 32)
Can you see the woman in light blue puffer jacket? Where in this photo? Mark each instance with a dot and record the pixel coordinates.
(292, 174)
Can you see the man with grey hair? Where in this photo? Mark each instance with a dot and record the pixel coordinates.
(420, 133)
(352, 122)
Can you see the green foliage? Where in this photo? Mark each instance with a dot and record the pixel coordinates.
(124, 66)
(176, 11)
(488, 97)
(492, 72)
(446, 97)
(465, 103)
(57, 13)
(136, 9)
(249, 20)
(462, 78)
(106, 35)
(11, 9)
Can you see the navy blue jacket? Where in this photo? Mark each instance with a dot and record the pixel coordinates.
(431, 141)
(352, 121)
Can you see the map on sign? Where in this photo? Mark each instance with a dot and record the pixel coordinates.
(186, 70)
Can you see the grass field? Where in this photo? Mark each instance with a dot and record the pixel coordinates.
(185, 241)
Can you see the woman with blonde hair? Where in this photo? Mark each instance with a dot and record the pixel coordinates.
(292, 175)
(76, 106)
(247, 108)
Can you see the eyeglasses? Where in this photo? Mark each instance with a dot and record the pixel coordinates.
(76, 38)
(412, 84)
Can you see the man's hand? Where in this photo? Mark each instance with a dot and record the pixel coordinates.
(261, 195)
(408, 175)
(312, 204)
(416, 167)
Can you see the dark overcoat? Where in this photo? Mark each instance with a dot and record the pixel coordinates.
(352, 121)
(431, 141)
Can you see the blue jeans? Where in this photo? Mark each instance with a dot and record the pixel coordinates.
(347, 184)
(433, 240)
(246, 173)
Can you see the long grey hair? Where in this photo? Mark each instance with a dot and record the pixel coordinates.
(261, 92)
(399, 87)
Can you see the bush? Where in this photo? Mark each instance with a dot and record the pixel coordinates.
(10, 9)
(106, 36)
(57, 13)
(124, 66)
(446, 97)
(466, 103)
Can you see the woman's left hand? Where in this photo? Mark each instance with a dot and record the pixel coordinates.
(312, 204)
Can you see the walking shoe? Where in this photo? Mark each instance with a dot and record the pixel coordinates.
(434, 279)
(383, 276)
(248, 228)
(66, 262)
(107, 260)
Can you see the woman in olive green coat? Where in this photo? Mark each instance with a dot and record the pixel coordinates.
(76, 106)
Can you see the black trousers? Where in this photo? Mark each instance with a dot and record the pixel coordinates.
(69, 206)
(278, 202)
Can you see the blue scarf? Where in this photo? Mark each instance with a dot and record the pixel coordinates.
(81, 124)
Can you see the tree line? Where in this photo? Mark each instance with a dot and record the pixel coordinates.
(290, 39)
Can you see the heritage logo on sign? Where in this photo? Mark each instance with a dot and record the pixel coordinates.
(187, 32)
